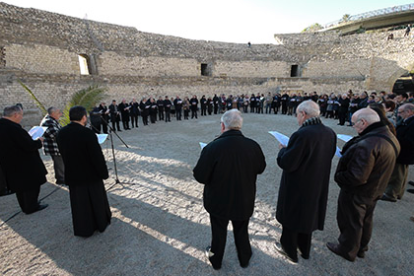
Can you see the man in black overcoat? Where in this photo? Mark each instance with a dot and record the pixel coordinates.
(115, 115)
(85, 169)
(405, 136)
(228, 167)
(124, 107)
(20, 161)
(303, 192)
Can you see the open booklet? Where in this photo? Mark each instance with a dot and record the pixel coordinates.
(284, 140)
(344, 137)
(102, 138)
(36, 132)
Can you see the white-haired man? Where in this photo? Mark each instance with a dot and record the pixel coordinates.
(303, 192)
(228, 167)
(362, 173)
(23, 170)
(50, 147)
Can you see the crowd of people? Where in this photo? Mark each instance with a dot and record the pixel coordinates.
(338, 106)
(373, 166)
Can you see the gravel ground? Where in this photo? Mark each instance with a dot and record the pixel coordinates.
(159, 225)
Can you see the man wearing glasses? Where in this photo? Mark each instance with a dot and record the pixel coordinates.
(405, 135)
(362, 174)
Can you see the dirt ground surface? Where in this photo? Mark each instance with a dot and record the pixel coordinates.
(159, 225)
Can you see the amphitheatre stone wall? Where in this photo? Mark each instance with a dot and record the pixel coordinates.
(42, 49)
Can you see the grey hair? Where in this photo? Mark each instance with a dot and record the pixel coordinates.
(408, 106)
(9, 111)
(51, 109)
(368, 115)
(232, 119)
(310, 108)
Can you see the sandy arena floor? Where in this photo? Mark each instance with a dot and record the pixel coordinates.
(159, 225)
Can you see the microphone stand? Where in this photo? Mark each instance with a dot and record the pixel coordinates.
(111, 130)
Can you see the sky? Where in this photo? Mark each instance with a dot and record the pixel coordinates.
(238, 21)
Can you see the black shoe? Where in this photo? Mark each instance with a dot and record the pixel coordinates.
(42, 206)
(39, 208)
(334, 247)
(305, 256)
(411, 191)
(411, 183)
(361, 254)
(279, 248)
(210, 254)
(386, 197)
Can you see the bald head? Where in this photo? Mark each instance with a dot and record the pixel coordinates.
(363, 118)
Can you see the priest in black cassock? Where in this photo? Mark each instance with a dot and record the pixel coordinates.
(85, 169)
(303, 192)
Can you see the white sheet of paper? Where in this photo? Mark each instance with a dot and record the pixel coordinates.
(36, 132)
(102, 138)
(344, 137)
(283, 139)
(202, 145)
(338, 152)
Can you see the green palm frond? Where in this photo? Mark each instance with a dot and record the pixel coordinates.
(38, 103)
(87, 98)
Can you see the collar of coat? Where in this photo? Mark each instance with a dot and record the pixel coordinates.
(371, 128)
(312, 121)
(231, 132)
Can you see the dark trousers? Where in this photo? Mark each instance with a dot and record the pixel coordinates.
(104, 127)
(178, 113)
(354, 217)
(167, 116)
(292, 241)
(342, 118)
(219, 236)
(28, 199)
(117, 125)
(125, 124)
(59, 168)
(134, 120)
(161, 114)
(193, 113)
(145, 119)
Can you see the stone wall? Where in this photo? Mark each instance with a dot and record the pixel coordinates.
(42, 50)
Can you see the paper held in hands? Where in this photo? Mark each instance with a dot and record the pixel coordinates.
(344, 137)
(102, 138)
(283, 139)
(202, 145)
(36, 132)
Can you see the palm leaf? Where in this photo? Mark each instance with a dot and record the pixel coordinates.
(38, 103)
(87, 98)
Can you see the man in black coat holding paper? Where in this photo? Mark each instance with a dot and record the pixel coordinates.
(229, 175)
(20, 161)
(85, 169)
(303, 192)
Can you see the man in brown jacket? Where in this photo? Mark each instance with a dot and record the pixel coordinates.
(362, 173)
